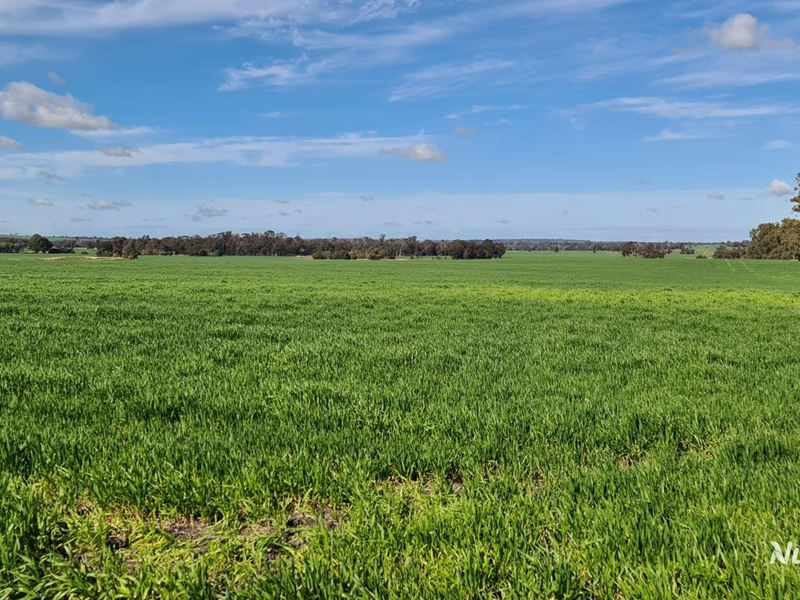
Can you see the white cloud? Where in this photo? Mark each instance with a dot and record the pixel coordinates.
(23, 101)
(103, 135)
(779, 188)
(104, 205)
(16, 53)
(9, 144)
(670, 135)
(382, 9)
(55, 78)
(418, 152)
(243, 151)
(442, 78)
(478, 109)
(40, 202)
(673, 109)
(55, 17)
(743, 32)
(280, 73)
(777, 145)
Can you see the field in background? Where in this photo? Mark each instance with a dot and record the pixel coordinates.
(566, 425)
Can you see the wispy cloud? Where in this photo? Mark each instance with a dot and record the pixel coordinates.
(40, 202)
(242, 151)
(205, 211)
(670, 135)
(772, 145)
(55, 78)
(417, 152)
(106, 135)
(478, 109)
(119, 151)
(281, 73)
(693, 110)
(104, 205)
(446, 77)
(46, 175)
(9, 144)
(13, 53)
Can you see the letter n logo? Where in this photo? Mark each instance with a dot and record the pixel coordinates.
(778, 555)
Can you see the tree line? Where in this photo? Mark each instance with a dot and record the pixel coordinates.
(268, 243)
(777, 241)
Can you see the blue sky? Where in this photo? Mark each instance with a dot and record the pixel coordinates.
(590, 119)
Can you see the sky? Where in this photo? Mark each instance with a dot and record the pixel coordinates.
(585, 119)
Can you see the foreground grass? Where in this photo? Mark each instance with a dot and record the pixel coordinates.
(569, 425)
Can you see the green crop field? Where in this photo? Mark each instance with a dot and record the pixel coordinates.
(546, 425)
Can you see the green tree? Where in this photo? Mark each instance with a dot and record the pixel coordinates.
(129, 250)
(39, 243)
(796, 199)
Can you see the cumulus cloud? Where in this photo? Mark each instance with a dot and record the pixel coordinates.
(9, 144)
(418, 152)
(40, 202)
(103, 205)
(22, 101)
(119, 151)
(779, 188)
(744, 32)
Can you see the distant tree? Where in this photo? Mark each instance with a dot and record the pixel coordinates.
(628, 249)
(38, 243)
(687, 249)
(129, 250)
(105, 248)
(725, 251)
(796, 199)
(651, 251)
(775, 241)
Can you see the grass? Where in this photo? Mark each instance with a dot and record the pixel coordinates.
(548, 425)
